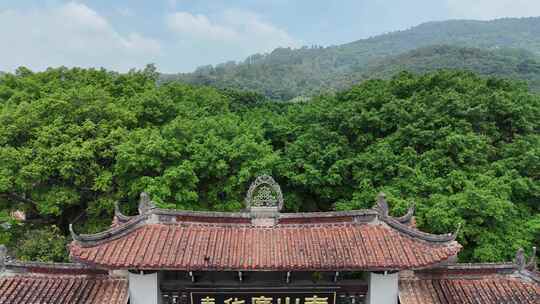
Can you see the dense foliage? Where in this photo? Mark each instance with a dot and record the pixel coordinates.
(464, 149)
(287, 73)
(42, 244)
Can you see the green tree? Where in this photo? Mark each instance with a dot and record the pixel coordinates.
(465, 149)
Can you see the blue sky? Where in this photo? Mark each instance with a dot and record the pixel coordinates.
(179, 35)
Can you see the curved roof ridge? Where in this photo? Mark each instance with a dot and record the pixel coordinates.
(407, 217)
(174, 212)
(258, 228)
(400, 223)
(49, 265)
(13, 267)
(357, 212)
(481, 269)
(245, 214)
(150, 214)
(416, 233)
(122, 218)
(178, 217)
(118, 230)
(509, 268)
(255, 226)
(67, 276)
(489, 265)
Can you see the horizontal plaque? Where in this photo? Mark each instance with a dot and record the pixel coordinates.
(263, 297)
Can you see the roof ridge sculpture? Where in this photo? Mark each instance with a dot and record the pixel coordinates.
(112, 232)
(125, 223)
(399, 223)
(407, 217)
(119, 215)
(383, 207)
(145, 203)
(522, 262)
(527, 268)
(264, 193)
(382, 204)
(413, 232)
(3, 257)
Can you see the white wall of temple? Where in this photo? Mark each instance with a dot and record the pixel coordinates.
(383, 288)
(144, 288)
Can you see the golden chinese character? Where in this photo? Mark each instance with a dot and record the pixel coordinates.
(208, 300)
(261, 300)
(287, 300)
(235, 301)
(315, 300)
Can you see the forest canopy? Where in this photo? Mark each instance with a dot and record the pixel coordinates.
(463, 148)
(508, 47)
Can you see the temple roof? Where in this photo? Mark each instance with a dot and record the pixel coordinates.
(263, 239)
(35, 282)
(471, 283)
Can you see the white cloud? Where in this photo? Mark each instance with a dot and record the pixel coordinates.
(252, 27)
(195, 26)
(73, 35)
(491, 9)
(243, 30)
(125, 12)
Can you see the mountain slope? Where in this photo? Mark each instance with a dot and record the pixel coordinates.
(286, 73)
(523, 33)
(508, 63)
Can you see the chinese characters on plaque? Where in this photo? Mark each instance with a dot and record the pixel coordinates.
(263, 298)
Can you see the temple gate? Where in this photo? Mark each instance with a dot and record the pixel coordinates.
(262, 255)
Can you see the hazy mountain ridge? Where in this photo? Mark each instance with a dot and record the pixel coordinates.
(286, 73)
(500, 33)
(510, 63)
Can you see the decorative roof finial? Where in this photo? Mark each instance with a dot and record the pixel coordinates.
(408, 218)
(74, 236)
(117, 209)
(532, 265)
(264, 192)
(3, 256)
(145, 203)
(520, 259)
(119, 217)
(382, 205)
(455, 234)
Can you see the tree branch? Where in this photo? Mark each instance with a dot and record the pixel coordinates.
(19, 198)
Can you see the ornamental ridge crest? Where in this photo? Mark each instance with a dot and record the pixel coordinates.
(264, 192)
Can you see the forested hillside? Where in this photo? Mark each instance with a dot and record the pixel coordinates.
(507, 63)
(287, 73)
(464, 149)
